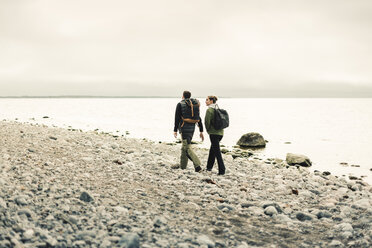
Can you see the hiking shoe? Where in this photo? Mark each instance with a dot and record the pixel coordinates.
(198, 169)
(221, 173)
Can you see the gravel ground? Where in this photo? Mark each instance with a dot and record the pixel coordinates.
(67, 188)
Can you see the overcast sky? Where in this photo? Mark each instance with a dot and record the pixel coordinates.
(234, 48)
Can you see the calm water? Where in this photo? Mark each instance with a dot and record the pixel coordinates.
(329, 131)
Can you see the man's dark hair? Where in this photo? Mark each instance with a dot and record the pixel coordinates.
(186, 94)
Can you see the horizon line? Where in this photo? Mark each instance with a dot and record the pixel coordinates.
(93, 96)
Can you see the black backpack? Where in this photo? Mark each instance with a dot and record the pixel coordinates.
(190, 110)
(221, 118)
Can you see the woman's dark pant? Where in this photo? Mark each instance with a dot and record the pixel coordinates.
(214, 153)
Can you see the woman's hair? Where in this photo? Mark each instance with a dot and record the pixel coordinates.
(213, 98)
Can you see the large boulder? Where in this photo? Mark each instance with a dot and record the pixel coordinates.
(298, 159)
(252, 140)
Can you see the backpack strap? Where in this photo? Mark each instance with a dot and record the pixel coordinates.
(192, 108)
(188, 120)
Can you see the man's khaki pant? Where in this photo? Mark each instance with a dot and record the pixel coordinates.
(188, 153)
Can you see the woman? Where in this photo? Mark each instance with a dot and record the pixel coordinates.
(215, 136)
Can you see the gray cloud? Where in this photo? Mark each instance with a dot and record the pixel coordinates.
(234, 48)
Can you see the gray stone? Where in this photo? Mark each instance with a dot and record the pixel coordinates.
(159, 221)
(363, 203)
(336, 243)
(5, 243)
(29, 234)
(79, 243)
(205, 240)
(43, 233)
(73, 220)
(52, 241)
(129, 240)
(270, 211)
(2, 203)
(326, 173)
(183, 245)
(243, 245)
(298, 159)
(21, 200)
(225, 206)
(16, 243)
(121, 210)
(346, 235)
(323, 214)
(246, 204)
(26, 212)
(302, 216)
(274, 204)
(258, 211)
(283, 218)
(84, 234)
(345, 227)
(354, 187)
(85, 196)
(254, 140)
(65, 207)
(106, 243)
(114, 239)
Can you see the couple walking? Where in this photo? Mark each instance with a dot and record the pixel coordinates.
(187, 115)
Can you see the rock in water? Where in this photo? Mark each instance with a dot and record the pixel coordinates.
(302, 160)
(254, 140)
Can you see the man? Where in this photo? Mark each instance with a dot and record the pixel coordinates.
(187, 115)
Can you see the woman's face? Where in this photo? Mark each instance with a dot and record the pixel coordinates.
(208, 101)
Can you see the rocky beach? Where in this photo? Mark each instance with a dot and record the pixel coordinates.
(68, 188)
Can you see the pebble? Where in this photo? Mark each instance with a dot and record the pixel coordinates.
(283, 218)
(303, 216)
(85, 196)
(270, 211)
(130, 240)
(363, 203)
(159, 221)
(273, 204)
(28, 234)
(346, 227)
(205, 240)
(106, 243)
(3, 203)
(336, 243)
(323, 214)
(21, 200)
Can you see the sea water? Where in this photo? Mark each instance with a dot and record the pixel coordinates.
(328, 131)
